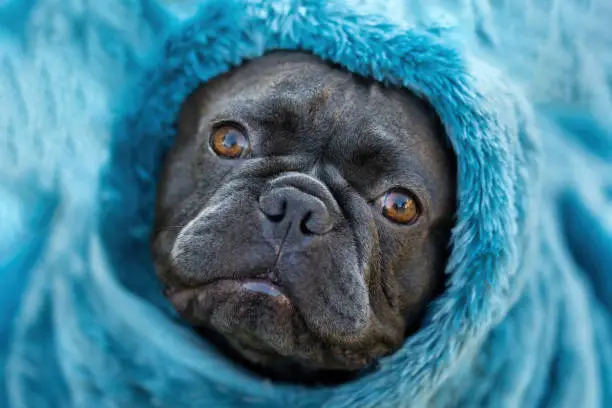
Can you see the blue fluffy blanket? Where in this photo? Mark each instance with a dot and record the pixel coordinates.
(89, 91)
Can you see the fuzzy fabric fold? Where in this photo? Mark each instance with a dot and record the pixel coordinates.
(89, 99)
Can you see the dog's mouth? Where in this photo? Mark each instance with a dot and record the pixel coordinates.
(254, 315)
(192, 302)
(263, 287)
(256, 322)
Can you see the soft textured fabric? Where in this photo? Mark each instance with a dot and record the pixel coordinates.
(90, 90)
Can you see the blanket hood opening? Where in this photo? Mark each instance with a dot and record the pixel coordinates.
(487, 123)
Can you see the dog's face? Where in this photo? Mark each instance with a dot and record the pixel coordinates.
(303, 214)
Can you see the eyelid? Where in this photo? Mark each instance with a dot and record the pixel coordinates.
(208, 123)
(218, 124)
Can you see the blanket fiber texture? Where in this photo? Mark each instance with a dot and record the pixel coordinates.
(89, 94)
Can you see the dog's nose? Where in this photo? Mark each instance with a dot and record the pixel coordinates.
(291, 208)
(299, 202)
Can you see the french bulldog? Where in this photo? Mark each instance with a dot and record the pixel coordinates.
(303, 216)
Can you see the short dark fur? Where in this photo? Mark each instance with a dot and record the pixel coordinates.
(326, 144)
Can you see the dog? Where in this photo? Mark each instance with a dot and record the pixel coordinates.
(303, 216)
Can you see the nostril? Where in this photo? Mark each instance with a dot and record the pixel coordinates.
(316, 222)
(276, 218)
(303, 225)
(273, 206)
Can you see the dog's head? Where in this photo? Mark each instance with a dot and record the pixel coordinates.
(303, 214)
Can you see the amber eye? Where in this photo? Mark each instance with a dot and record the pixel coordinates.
(400, 207)
(228, 141)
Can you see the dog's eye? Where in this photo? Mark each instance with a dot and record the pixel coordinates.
(399, 206)
(229, 142)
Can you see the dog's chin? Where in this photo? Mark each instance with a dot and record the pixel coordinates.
(252, 312)
(255, 323)
(279, 368)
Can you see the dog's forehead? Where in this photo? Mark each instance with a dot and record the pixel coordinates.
(319, 93)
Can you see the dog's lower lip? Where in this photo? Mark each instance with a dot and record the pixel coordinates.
(256, 285)
(262, 286)
(195, 303)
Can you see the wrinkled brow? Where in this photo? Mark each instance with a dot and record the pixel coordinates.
(369, 142)
(289, 109)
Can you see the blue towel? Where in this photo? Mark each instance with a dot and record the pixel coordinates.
(89, 91)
